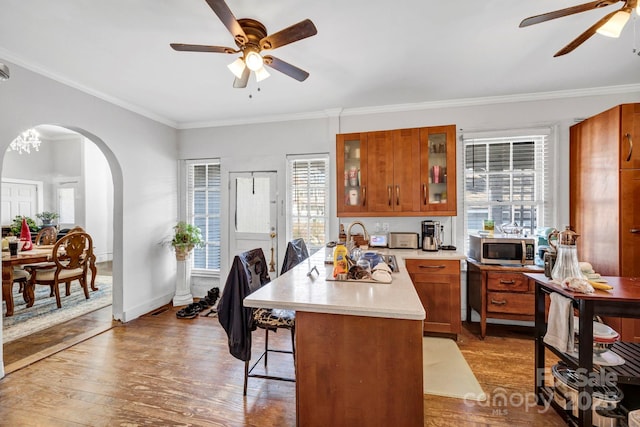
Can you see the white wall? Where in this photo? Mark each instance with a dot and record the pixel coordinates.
(256, 146)
(98, 201)
(142, 155)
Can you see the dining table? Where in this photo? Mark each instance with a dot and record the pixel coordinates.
(35, 255)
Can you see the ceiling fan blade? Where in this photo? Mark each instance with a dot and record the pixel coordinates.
(226, 16)
(584, 36)
(201, 48)
(299, 31)
(242, 81)
(565, 12)
(286, 68)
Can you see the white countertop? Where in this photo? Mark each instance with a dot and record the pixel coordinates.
(296, 290)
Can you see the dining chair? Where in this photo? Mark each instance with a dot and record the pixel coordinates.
(296, 253)
(92, 261)
(71, 256)
(248, 273)
(47, 236)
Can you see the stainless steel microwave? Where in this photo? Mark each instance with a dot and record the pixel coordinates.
(502, 250)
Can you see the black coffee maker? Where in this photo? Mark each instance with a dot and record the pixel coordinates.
(431, 239)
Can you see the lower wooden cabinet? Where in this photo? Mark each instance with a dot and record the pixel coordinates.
(500, 293)
(437, 283)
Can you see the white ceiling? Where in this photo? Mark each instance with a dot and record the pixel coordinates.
(367, 53)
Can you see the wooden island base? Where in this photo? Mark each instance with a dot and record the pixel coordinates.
(355, 370)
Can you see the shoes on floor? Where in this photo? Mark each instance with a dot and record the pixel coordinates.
(191, 311)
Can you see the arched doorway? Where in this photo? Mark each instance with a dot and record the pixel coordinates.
(79, 161)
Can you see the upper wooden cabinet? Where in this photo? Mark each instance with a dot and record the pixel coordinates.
(402, 172)
(438, 170)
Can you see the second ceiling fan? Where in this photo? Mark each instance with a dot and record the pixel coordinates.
(251, 38)
(610, 25)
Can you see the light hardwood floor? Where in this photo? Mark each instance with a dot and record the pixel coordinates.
(162, 371)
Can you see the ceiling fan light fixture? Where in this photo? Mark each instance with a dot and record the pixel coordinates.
(613, 27)
(261, 74)
(253, 60)
(237, 67)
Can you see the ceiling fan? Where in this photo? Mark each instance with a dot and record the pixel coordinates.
(610, 25)
(251, 38)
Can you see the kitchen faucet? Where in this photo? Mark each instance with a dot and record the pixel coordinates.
(350, 245)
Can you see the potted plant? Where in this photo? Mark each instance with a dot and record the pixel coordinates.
(16, 225)
(47, 217)
(185, 237)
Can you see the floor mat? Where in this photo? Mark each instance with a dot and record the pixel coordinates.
(446, 373)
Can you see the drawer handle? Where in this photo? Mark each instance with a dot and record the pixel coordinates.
(635, 230)
(507, 282)
(503, 302)
(432, 266)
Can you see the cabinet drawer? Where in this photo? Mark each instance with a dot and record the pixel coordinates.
(513, 282)
(432, 266)
(513, 303)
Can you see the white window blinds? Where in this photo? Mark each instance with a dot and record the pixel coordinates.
(203, 210)
(508, 179)
(308, 199)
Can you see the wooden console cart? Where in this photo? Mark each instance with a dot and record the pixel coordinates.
(622, 301)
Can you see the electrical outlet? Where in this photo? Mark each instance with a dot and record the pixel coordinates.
(385, 227)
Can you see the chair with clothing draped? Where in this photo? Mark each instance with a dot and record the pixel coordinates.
(71, 256)
(296, 253)
(248, 273)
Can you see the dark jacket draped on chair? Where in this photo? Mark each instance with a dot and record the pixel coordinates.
(248, 273)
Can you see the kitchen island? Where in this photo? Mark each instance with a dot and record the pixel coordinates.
(358, 344)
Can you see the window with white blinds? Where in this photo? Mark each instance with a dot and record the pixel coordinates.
(203, 210)
(508, 179)
(308, 199)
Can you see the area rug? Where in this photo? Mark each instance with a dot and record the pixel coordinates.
(44, 312)
(446, 373)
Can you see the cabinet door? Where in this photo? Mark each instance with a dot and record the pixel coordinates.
(406, 168)
(630, 223)
(630, 330)
(438, 170)
(630, 133)
(351, 163)
(380, 152)
(437, 283)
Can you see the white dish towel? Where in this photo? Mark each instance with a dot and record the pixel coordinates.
(560, 324)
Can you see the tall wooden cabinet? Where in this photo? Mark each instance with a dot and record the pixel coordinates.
(401, 172)
(605, 195)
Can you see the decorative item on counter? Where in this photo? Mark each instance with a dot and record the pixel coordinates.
(488, 225)
(328, 252)
(566, 265)
(340, 263)
(25, 237)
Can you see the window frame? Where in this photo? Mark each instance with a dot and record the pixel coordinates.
(545, 192)
(188, 212)
(291, 160)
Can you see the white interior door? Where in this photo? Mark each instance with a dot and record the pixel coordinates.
(253, 213)
(19, 199)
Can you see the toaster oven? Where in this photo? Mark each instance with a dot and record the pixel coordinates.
(502, 250)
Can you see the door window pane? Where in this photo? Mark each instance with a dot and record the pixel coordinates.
(252, 196)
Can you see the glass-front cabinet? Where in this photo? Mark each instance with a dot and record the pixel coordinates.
(438, 170)
(403, 172)
(351, 161)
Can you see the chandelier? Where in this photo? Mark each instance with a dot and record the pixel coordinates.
(26, 141)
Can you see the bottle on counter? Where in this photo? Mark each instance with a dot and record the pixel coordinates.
(340, 263)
